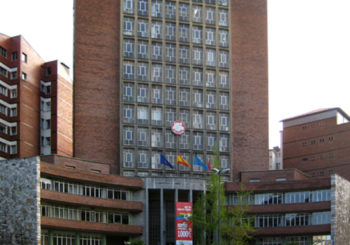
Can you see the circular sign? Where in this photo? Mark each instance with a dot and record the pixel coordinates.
(178, 127)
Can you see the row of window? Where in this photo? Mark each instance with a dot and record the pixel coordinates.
(159, 138)
(14, 55)
(8, 111)
(13, 74)
(292, 219)
(84, 190)
(295, 240)
(314, 141)
(157, 116)
(282, 197)
(173, 32)
(8, 148)
(196, 14)
(145, 159)
(8, 90)
(182, 54)
(67, 238)
(45, 87)
(84, 215)
(8, 128)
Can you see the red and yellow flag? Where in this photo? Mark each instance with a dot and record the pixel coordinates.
(182, 161)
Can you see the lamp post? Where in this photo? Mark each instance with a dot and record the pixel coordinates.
(219, 172)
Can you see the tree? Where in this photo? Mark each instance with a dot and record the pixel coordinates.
(213, 222)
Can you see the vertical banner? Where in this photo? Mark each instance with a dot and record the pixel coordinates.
(183, 223)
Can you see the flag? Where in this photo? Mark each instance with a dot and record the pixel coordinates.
(165, 162)
(209, 165)
(198, 162)
(182, 161)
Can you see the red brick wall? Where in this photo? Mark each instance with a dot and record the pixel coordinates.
(249, 86)
(96, 93)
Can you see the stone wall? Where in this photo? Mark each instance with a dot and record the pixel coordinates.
(340, 210)
(20, 201)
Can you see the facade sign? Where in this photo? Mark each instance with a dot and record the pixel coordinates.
(178, 127)
(184, 223)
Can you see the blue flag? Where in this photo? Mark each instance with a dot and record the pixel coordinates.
(165, 162)
(198, 162)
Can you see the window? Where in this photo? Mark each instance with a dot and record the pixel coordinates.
(128, 136)
(3, 71)
(211, 121)
(187, 157)
(225, 162)
(24, 76)
(197, 141)
(170, 52)
(210, 16)
(197, 167)
(156, 138)
(143, 159)
(224, 101)
(170, 10)
(3, 109)
(184, 12)
(142, 93)
(223, 17)
(157, 94)
(196, 13)
(3, 90)
(184, 73)
(211, 57)
(142, 137)
(210, 100)
(156, 160)
(129, 48)
(13, 75)
(211, 141)
(197, 56)
(47, 71)
(128, 114)
(142, 7)
(197, 77)
(156, 31)
(142, 28)
(157, 51)
(223, 59)
(184, 141)
(128, 6)
(142, 50)
(210, 80)
(142, 115)
(156, 75)
(170, 116)
(210, 36)
(184, 33)
(14, 56)
(197, 34)
(142, 71)
(156, 116)
(223, 80)
(170, 31)
(224, 142)
(170, 74)
(185, 117)
(197, 98)
(129, 70)
(170, 140)
(128, 92)
(157, 8)
(45, 123)
(184, 97)
(224, 122)
(3, 52)
(128, 26)
(45, 141)
(24, 58)
(170, 95)
(197, 119)
(223, 2)
(223, 38)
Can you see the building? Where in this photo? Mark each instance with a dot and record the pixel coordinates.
(318, 142)
(36, 101)
(142, 65)
(275, 158)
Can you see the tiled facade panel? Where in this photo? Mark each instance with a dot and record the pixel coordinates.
(96, 71)
(249, 86)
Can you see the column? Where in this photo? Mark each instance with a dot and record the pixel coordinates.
(162, 221)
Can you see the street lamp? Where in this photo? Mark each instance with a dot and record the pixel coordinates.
(219, 172)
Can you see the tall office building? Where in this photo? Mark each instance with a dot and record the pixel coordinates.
(142, 66)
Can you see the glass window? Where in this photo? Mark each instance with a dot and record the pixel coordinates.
(156, 160)
(223, 38)
(210, 1)
(156, 30)
(129, 6)
(156, 138)
(211, 141)
(184, 12)
(210, 36)
(184, 54)
(128, 114)
(156, 75)
(171, 157)
(156, 51)
(129, 70)
(170, 52)
(128, 136)
(197, 34)
(143, 159)
(184, 73)
(142, 137)
(196, 13)
(197, 77)
(224, 142)
(197, 141)
(223, 59)
(187, 157)
(184, 96)
(170, 74)
(128, 92)
(142, 71)
(184, 141)
(210, 100)
(223, 2)
(184, 33)
(170, 10)
(225, 162)
(224, 101)
(170, 140)
(170, 95)
(143, 28)
(128, 26)
(197, 119)
(157, 8)
(211, 121)
(197, 56)
(170, 116)
(170, 31)
(223, 17)
(197, 167)
(210, 16)
(129, 47)
(142, 93)
(142, 50)
(142, 7)
(197, 98)
(185, 117)
(211, 57)
(156, 115)
(210, 80)
(142, 115)
(157, 94)
(223, 80)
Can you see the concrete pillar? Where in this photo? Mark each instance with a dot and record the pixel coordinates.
(146, 233)
(162, 218)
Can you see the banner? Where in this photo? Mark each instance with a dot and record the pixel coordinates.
(183, 223)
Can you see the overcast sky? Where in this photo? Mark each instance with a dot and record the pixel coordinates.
(309, 49)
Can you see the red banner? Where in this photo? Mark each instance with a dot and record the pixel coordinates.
(183, 223)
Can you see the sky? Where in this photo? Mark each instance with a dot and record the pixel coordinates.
(309, 49)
